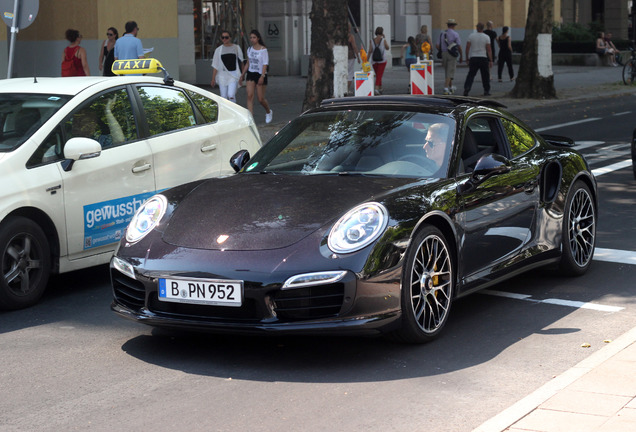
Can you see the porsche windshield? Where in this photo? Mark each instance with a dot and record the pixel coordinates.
(370, 142)
(22, 114)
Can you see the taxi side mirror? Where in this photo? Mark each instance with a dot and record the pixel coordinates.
(78, 149)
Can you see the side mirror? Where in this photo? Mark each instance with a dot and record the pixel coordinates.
(82, 148)
(490, 165)
(239, 159)
(79, 149)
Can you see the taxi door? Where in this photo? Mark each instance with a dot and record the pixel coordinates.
(183, 150)
(101, 194)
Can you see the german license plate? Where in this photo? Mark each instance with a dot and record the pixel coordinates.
(215, 292)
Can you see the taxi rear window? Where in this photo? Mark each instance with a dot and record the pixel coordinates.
(23, 114)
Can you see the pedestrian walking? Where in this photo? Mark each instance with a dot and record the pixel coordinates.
(450, 45)
(505, 54)
(74, 60)
(420, 38)
(129, 46)
(226, 63)
(479, 57)
(107, 53)
(492, 34)
(378, 57)
(409, 53)
(352, 56)
(255, 74)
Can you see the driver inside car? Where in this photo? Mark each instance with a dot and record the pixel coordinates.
(435, 144)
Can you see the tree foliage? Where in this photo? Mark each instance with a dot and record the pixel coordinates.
(329, 27)
(530, 82)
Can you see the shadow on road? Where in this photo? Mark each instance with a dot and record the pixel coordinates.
(479, 329)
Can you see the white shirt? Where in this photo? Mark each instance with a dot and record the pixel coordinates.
(478, 43)
(257, 59)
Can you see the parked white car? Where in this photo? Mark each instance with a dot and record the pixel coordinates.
(79, 155)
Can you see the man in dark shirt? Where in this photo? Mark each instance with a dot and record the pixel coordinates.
(493, 37)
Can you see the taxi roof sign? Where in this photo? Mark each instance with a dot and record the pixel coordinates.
(136, 66)
(140, 66)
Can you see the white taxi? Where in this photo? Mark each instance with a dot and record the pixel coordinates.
(79, 155)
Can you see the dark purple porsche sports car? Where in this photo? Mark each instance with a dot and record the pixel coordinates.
(365, 215)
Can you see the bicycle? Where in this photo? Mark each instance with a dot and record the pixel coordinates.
(629, 70)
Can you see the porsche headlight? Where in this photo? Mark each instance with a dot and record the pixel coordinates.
(358, 227)
(146, 218)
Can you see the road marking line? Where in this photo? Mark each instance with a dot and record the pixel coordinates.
(621, 113)
(614, 167)
(567, 124)
(558, 302)
(615, 256)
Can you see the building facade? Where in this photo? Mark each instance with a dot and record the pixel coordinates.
(184, 33)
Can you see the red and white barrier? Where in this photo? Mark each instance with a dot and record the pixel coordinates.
(365, 83)
(422, 78)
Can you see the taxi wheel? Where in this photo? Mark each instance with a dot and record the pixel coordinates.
(25, 265)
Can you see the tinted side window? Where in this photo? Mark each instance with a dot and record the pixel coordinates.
(208, 107)
(166, 109)
(521, 141)
(108, 119)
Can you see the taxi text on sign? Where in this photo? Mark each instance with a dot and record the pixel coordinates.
(137, 66)
(422, 78)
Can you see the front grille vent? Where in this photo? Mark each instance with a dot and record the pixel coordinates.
(314, 302)
(129, 292)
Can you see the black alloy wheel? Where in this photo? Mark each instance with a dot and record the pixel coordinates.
(25, 265)
(579, 231)
(428, 283)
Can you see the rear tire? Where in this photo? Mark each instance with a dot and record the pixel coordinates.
(579, 231)
(25, 263)
(428, 286)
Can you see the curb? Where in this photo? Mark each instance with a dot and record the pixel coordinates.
(525, 406)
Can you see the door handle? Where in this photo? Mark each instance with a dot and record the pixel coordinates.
(208, 148)
(140, 168)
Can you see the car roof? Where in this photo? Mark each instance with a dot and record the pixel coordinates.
(416, 102)
(65, 86)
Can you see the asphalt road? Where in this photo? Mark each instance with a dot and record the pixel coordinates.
(70, 364)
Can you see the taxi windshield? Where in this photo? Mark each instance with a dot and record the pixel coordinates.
(23, 114)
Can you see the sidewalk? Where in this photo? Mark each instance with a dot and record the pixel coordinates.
(599, 393)
(286, 94)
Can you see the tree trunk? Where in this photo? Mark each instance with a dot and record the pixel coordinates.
(535, 79)
(329, 27)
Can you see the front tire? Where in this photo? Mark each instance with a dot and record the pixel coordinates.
(25, 263)
(428, 285)
(579, 231)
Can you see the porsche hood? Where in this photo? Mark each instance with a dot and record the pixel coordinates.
(267, 211)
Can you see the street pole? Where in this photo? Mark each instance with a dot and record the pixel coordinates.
(14, 30)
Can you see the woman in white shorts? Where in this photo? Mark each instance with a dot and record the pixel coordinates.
(227, 62)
